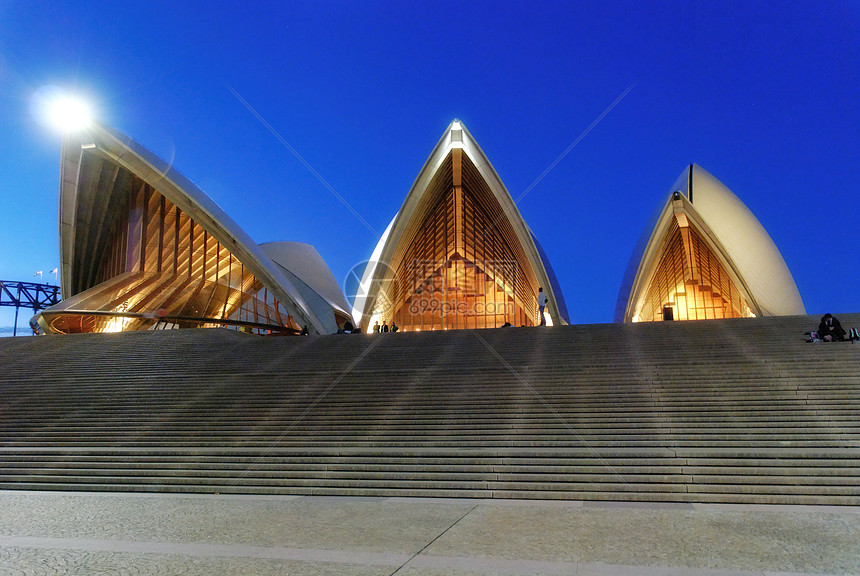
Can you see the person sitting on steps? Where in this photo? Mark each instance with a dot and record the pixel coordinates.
(830, 330)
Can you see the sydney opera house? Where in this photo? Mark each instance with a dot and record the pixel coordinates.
(142, 248)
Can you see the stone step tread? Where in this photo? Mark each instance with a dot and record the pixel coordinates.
(817, 461)
(289, 475)
(566, 385)
(693, 455)
(619, 485)
(607, 497)
(708, 474)
(512, 428)
(473, 400)
(507, 426)
(598, 444)
(693, 419)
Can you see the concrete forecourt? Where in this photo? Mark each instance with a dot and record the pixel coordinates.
(76, 533)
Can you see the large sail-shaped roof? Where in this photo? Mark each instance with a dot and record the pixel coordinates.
(458, 243)
(142, 246)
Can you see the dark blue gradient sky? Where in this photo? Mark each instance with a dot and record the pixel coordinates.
(764, 95)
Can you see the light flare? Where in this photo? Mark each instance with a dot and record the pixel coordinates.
(54, 107)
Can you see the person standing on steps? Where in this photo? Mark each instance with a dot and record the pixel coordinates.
(542, 300)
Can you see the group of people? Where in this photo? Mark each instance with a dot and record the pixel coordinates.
(348, 328)
(385, 327)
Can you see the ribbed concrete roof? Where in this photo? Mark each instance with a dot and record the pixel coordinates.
(82, 222)
(456, 136)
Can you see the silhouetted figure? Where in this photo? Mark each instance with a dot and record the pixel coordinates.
(384, 326)
(376, 327)
(830, 330)
(394, 327)
(542, 300)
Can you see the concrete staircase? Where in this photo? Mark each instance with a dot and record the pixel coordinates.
(717, 411)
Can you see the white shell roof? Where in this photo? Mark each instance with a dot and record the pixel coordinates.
(456, 136)
(309, 268)
(124, 151)
(741, 241)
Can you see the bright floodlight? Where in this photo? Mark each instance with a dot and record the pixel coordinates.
(54, 107)
(70, 114)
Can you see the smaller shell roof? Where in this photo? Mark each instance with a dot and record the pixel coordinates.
(305, 263)
(741, 240)
(747, 243)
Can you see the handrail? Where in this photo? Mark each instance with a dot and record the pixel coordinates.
(177, 318)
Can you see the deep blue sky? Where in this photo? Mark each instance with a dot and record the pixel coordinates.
(764, 95)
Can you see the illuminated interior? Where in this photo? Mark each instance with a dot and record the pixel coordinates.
(142, 263)
(690, 283)
(460, 264)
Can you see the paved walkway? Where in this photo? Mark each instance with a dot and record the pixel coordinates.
(87, 533)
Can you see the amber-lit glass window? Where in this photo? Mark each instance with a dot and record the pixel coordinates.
(160, 269)
(691, 282)
(462, 267)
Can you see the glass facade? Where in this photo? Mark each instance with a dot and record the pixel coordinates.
(690, 283)
(460, 264)
(151, 266)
